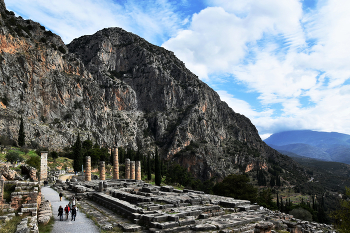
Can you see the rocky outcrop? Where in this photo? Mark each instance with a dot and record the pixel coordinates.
(120, 90)
(9, 174)
(30, 171)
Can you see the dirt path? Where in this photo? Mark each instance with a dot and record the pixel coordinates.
(66, 176)
(81, 223)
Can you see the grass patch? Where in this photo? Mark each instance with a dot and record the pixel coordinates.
(60, 163)
(47, 228)
(8, 189)
(11, 225)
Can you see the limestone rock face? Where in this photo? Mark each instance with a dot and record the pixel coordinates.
(120, 90)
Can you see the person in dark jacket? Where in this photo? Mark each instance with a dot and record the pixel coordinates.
(60, 212)
(60, 196)
(74, 213)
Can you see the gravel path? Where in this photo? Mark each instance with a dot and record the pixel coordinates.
(81, 223)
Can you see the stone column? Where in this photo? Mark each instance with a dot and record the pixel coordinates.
(100, 186)
(132, 170)
(2, 184)
(102, 170)
(138, 170)
(127, 169)
(43, 166)
(88, 168)
(115, 164)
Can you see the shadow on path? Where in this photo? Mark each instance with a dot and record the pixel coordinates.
(81, 223)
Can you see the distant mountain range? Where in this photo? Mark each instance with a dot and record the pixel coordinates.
(312, 144)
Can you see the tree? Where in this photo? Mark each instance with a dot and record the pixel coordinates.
(265, 199)
(34, 161)
(341, 215)
(301, 213)
(21, 134)
(78, 155)
(236, 186)
(158, 177)
(54, 155)
(149, 175)
(13, 156)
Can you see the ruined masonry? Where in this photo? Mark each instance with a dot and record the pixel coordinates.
(43, 166)
(165, 209)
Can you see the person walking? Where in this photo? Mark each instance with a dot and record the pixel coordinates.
(73, 201)
(74, 213)
(60, 196)
(67, 209)
(60, 212)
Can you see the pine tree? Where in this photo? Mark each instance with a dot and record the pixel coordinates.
(21, 134)
(78, 155)
(149, 175)
(158, 178)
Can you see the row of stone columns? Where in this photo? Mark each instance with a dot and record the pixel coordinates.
(132, 168)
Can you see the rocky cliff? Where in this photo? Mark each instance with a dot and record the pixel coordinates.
(120, 90)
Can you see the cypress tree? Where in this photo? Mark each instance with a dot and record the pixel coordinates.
(272, 181)
(21, 134)
(158, 178)
(149, 175)
(278, 202)
(78, 155)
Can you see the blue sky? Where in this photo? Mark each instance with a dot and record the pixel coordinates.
(284, 64)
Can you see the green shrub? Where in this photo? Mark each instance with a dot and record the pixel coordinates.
(302, 214)
(48, 33)
(13, 156)
(61, 49)
(34, 161)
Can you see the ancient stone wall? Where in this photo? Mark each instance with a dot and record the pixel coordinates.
(88, 168)
(43, 166)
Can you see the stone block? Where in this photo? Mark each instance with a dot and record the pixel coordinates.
(204, 227)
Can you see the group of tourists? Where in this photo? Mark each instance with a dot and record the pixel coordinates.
(71, 209)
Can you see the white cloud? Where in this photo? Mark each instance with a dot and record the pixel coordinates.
(239, 38)
(155, 21)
